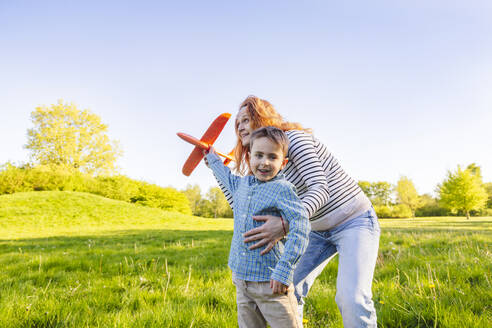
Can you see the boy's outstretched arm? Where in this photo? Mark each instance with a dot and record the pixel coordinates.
(224, 190)
(221, 172)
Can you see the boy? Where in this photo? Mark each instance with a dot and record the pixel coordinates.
(264, 286)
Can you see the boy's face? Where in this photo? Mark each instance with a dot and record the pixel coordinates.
(266, 159)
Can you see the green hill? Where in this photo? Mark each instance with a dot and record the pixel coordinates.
(52, 213)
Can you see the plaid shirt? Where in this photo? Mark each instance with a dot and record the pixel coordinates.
(254, 197)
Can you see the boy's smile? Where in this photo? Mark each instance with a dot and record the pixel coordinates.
(266, 159)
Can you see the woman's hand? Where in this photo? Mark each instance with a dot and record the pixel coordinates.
(268, 234)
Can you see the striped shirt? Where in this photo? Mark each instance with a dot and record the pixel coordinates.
(254, 197)
(329, 195)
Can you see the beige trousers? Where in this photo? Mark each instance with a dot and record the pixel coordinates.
(257, 305)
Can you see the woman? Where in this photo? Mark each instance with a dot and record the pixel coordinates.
(342, 218)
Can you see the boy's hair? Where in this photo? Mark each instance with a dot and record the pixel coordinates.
(273, 134)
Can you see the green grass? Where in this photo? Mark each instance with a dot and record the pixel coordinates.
(77, 260)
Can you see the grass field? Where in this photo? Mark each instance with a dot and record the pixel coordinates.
(78, 260)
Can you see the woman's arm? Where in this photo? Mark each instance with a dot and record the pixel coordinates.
(308, 167)
(267, 234)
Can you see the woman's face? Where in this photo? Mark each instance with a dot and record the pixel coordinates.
(243, 126)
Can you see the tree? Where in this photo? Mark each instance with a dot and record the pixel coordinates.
(194, 195)
(381, 192)
(219, 203)
(168, 199)
(65, 135)
(475, 170)
(463, 190)
(407, 194)
(429, 206)
(488, 188)
(366, 188)
(205, 209)
(378, 192)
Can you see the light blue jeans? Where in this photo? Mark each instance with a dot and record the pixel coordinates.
(356, 241)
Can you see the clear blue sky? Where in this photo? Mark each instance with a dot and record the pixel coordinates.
(392, 87)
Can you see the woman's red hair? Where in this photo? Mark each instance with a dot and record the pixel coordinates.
(261, 113)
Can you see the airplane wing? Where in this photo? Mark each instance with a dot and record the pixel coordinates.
(208, 137)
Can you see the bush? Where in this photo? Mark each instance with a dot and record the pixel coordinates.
(168, 199)
(431, 207)
(485, 212)
(56, 177)
(432, 210)
(115, 187)
(401, 211)
(393, 211)
(383, 211)
(12, 179)
(25, 178)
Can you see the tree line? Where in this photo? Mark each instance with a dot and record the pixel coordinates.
(70, 150)
(462, 192)
(25, 178)
(212, 205)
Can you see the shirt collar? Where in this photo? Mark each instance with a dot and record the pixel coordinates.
(279, 176)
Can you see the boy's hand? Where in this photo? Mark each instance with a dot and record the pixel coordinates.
(278, 287)
(205, 152)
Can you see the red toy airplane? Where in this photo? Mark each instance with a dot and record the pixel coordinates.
(205, 142)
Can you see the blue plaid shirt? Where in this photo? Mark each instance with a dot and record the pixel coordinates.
(254, 197)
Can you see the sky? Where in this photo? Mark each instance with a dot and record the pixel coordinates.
(393, 88)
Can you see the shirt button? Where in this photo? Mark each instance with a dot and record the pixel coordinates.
(243, 253)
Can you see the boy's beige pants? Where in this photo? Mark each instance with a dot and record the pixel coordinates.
(257, 305)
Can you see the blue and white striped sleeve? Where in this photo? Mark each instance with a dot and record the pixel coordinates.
(226, 192)
(302, 154)
(222, 173)
(292, 210)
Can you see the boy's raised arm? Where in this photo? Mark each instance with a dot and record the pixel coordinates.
(222, 172)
